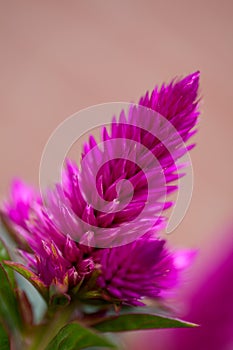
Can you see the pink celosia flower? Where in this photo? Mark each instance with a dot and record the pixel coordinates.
(178, 103)
(143, 268)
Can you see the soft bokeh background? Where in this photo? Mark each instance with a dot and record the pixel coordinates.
(60, 56)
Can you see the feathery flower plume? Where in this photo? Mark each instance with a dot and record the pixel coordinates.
(61, 252)
(124, 149)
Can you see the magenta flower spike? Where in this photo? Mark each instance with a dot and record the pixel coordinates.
(61, 251)
(178, 104)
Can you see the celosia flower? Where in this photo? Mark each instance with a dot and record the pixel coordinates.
(143, 268)
(178, 103)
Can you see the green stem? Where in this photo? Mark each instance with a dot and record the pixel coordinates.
(46, 332)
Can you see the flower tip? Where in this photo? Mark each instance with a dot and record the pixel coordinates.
(193, 78)
(189, 86)
(196, 75)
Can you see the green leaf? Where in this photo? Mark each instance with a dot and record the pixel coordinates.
(4, 255)
(9, 311)
(4, 339)
(131, 322)
(74, 337)
(30, 276)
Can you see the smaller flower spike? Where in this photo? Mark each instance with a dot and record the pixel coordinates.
(22, 198)
(140, 269)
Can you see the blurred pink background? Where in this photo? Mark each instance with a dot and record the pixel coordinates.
(58, 57)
